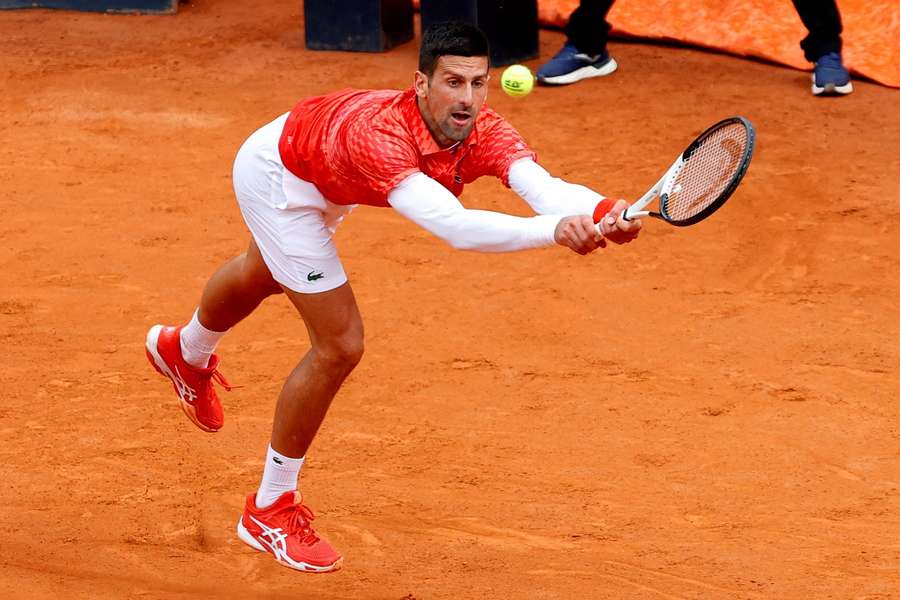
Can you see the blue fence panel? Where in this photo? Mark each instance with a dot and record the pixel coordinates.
(122, 6)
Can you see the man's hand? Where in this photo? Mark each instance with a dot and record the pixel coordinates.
(613, 226)
(578, 234)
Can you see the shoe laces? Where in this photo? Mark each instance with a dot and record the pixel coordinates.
(300, 522)
(220, 379)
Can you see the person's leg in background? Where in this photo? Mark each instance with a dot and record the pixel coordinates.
(584, 54)
(822, 46)
(587, 28)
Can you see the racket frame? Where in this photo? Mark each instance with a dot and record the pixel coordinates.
(663, 187)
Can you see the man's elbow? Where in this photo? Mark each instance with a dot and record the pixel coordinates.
(462, 243)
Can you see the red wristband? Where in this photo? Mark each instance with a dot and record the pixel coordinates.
(615, 236)
(602, 208)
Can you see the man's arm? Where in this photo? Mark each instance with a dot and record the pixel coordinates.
(547, 194)
(429, 204)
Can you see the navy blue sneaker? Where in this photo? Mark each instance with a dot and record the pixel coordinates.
(830, 76)
(569, 65)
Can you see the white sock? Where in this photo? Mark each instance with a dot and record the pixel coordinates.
(198, 343)
(280, 475)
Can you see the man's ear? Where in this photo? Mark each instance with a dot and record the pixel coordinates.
(421, 84)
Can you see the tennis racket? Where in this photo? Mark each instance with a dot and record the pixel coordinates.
(703, 177)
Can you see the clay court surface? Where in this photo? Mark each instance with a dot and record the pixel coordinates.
(708, 413)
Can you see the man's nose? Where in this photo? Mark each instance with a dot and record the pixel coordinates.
(467, 95)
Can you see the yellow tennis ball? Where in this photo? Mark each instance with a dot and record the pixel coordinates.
(517, 80)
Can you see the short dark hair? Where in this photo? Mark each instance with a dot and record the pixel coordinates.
(454, 38)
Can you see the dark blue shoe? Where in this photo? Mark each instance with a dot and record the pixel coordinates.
(830, 76)
(569, 65)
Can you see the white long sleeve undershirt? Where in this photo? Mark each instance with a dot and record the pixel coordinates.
(427, 203)
(546, 194)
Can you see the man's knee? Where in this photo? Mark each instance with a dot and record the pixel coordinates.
(343, 352)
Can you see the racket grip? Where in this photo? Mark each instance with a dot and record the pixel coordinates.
(630, 215)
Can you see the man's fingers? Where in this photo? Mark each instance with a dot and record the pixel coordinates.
(572, 239)
(606, 226)
(584, 229)
(589, 232)
(633, 225)
(616, 229)
(580, 234)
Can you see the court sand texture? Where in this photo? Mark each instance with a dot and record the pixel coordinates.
(704, 414)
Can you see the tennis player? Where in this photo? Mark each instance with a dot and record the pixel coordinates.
(295, 180)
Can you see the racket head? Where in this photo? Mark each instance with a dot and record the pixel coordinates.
(710, 170)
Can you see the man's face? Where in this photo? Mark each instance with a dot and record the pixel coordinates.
(452, 97)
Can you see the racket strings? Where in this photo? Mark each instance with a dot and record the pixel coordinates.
(708, 172)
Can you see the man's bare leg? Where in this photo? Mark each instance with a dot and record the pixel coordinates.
(185, 354)
(336, 336)
(235, 290)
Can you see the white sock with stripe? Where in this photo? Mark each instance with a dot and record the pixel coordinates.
(280, 475)
(198, 343)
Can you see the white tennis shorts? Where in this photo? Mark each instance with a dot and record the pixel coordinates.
(290, 220)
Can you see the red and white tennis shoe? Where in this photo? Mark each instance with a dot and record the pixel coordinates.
(285, 531)
(193, 385)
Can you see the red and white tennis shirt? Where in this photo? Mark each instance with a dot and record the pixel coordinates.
(356, 146)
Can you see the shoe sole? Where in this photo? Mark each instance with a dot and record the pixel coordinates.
(582, 73)
(251, 541)
(160, 365)
(831, 89)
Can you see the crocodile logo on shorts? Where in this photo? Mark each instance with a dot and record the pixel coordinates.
(314, 275)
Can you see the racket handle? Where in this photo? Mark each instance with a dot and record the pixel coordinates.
(628, 215)
(634, 211)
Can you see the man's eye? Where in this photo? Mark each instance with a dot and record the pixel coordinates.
(453, 82)
(478, 84)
